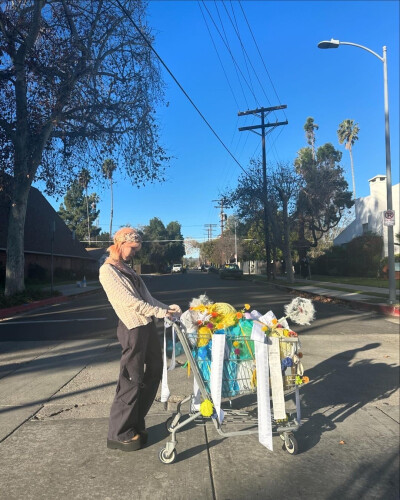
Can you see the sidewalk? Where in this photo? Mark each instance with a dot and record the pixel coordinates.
(68, 291)
(373, 298)
(54, 407)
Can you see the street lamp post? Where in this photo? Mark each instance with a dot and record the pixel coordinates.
(334, 44)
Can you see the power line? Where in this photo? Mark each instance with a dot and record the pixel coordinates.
(259, 53)
(176, 81)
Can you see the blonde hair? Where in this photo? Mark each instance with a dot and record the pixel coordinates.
(123, 235)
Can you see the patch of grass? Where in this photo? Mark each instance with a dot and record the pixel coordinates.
(25, 297)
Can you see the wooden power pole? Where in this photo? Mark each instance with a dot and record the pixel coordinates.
(262, 113)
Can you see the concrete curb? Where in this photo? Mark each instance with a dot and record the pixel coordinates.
(37, 304)
(383, 309)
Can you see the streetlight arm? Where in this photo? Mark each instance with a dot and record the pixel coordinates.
(362, 47)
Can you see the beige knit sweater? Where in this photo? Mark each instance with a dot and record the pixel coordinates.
(132, 307)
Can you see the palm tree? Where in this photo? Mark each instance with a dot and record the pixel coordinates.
(309, 128)
(84, 180)
(108, 168)
(348, 133)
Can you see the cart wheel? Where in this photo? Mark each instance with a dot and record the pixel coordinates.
(291, 444)
(169, 422)
(282, 437)
(167, 459)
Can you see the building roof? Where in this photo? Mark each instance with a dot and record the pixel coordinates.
(41, 219)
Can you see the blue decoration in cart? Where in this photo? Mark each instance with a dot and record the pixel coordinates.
(286, 363)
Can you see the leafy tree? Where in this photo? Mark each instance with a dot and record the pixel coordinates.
(76, 81)
(78, 211)
(84, 180)
(310, 128)
(348, 134)
(286, 184)
(108, 168)
(175, 250)
(323, 196)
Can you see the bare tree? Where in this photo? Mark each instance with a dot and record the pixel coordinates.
(77, 81)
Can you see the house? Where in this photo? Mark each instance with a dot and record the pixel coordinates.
(369, 214)
(47, 240)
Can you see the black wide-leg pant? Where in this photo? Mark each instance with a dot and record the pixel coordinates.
(137, 386)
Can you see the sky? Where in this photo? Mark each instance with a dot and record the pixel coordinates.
(277, 62)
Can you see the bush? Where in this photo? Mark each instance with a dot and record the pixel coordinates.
(332, 263)
(37, 273)
(25, 297)
(364, 255)
(383, 269)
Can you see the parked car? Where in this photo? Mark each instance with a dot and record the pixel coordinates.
(230, 271)
(177, 268)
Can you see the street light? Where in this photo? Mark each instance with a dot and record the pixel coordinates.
(334, 44)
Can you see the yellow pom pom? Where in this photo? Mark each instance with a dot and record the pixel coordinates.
(206, 408)
(223, 308)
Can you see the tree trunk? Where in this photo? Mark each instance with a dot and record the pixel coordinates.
(112, 208)
(88, 220)
(15, 238)
(352, 173)
(286, 244)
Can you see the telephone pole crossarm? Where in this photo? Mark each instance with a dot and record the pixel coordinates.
(261, 110)
(255, 127)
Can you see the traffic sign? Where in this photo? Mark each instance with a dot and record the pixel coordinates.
(388, 218)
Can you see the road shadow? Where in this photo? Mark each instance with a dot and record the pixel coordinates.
(344, 384)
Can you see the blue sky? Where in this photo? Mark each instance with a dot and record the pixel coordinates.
(329, 85)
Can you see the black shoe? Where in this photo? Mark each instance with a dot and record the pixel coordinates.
(131, 445)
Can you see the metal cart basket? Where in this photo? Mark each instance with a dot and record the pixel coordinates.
(239, 378)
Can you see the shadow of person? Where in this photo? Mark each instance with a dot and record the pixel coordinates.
(344, 383)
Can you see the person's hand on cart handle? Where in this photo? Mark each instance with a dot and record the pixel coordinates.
(176, 310)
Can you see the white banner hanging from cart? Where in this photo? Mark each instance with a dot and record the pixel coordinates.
(217, 365)
(263, 400)
(278, 396)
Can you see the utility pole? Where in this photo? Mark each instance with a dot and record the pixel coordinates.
(222, 214)
(209, 228)
(262, 113)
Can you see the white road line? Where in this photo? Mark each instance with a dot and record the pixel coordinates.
(11, 322)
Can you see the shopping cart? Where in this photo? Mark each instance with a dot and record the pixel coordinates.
(239, 378)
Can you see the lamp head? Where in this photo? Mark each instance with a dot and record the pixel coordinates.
(331, 44)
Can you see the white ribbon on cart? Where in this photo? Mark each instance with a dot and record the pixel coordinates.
(165, 393)
(263, 399)
(217, 365)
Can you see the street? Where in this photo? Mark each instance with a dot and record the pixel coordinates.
(58, 368)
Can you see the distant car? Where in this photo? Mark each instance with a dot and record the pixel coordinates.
(177, 268)
(230, 271)
(204, 268)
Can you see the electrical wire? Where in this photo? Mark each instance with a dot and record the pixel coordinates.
(124, 10)
(261, 57)
(219, 58)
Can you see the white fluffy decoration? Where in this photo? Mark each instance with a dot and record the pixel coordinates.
(301, 311)
(189, 318)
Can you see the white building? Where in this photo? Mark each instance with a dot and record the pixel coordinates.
(369, 214)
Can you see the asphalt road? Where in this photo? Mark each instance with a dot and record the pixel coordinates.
(91, 316)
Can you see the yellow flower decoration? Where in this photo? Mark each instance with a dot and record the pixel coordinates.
(247, 306)
(204, 336)
(206, 408)
(236, 343)
(274, 322)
